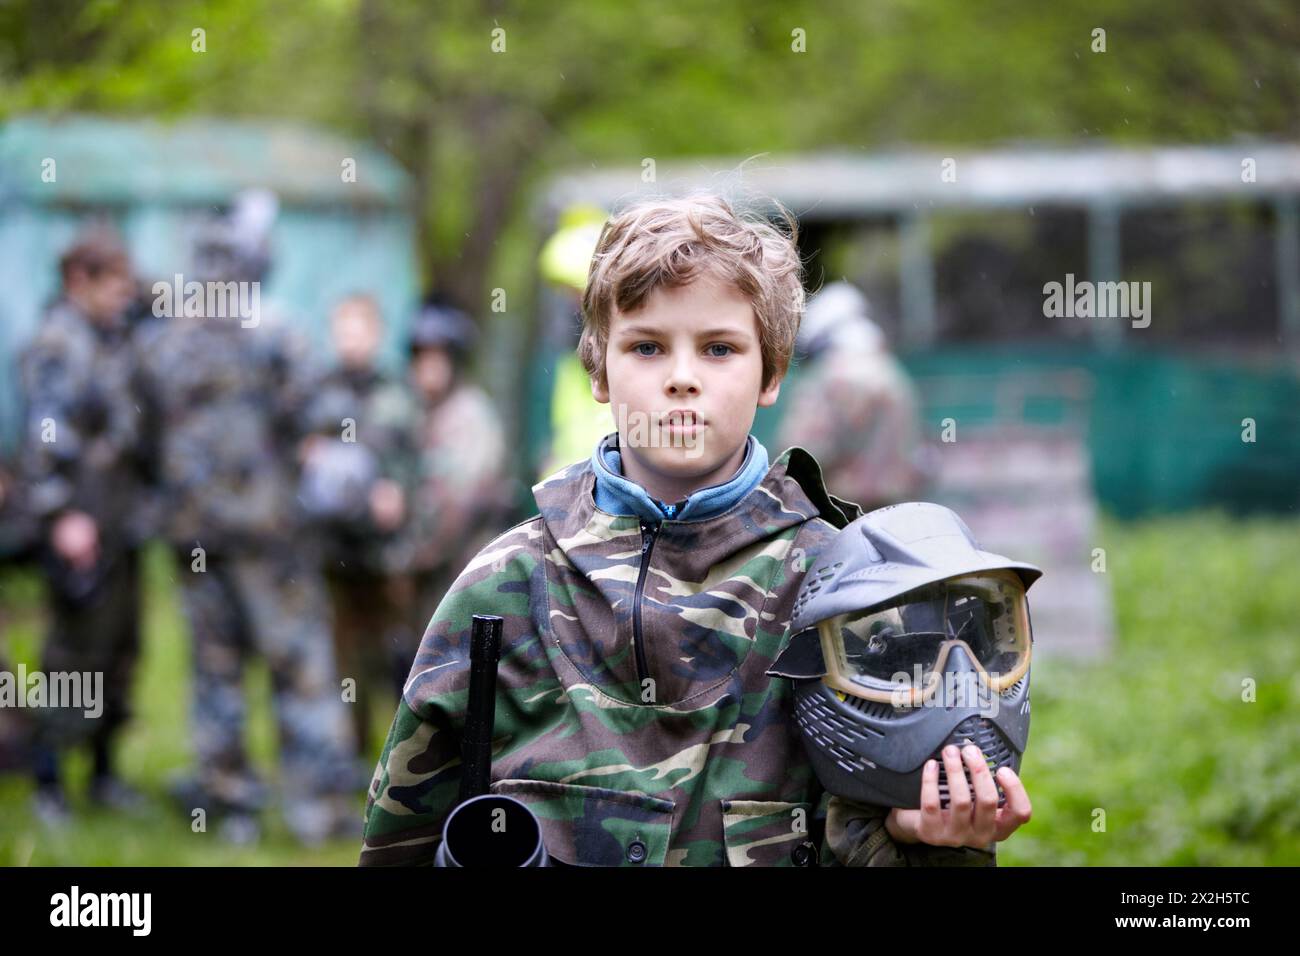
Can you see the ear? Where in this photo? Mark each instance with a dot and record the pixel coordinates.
(768, 396)
(600, 392)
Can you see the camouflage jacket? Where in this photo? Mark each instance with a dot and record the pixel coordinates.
(81, 451)
(19, 528)
(685, 748)
(228, 405)
(379, 413)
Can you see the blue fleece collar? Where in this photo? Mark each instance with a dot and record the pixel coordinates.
(618, 495)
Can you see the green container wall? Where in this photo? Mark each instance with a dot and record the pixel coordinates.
(1164, 430)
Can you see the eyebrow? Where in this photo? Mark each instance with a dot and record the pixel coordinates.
(703, 334)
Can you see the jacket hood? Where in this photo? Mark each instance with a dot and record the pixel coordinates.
(790, 493)
(680, 602)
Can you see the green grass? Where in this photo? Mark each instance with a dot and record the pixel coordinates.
(1157, 736)
(155, 748)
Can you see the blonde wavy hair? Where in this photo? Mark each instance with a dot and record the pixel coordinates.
(658, 243)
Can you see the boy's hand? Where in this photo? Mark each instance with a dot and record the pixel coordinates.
(968, 821)
(310, 447)
(75, 538)
(387, 504)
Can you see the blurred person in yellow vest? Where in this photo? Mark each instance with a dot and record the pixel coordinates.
(577, 420)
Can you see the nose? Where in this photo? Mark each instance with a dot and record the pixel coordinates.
(682, 378)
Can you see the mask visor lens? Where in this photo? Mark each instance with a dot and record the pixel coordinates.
(884, 649)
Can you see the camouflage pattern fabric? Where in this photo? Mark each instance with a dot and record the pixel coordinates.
(276, 609)
(383, 419)
(19, 531)
(81, 449)
(688, 757)
(17, 537)
(82, 453)
(230, 402)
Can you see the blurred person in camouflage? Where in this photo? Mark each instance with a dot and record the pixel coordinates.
(229, 394)
(358, 468)
(80, 474)
(465, 494)
(854, 406)
(19, 529)
(16, 540)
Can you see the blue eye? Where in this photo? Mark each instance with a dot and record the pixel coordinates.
(719, 345)
(640, 345)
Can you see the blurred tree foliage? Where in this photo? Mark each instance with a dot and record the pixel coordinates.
(615, 81)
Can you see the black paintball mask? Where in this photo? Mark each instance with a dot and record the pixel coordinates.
(907, 637)
(236, 246)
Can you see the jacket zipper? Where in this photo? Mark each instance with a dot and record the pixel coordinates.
(638, 642)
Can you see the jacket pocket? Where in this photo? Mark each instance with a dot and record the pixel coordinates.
(592, 826)
(767, 833)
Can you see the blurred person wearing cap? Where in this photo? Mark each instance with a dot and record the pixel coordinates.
(464, 493)
(80, 486)
(854, 406)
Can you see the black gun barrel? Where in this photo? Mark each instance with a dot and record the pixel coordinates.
(480, 715)
(486, 829)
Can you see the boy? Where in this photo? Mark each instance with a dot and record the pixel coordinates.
(361, 448)
(80, 465)
(644, 602)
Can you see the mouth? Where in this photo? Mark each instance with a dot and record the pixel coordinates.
(682, 418)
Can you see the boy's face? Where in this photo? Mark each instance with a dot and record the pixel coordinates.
(696, 348)
(431, 372)
(357, 331)
(102, 297)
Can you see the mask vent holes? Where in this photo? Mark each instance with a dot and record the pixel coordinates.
(814, 584)
(981, 732)
(831, 732)
(873, 709)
